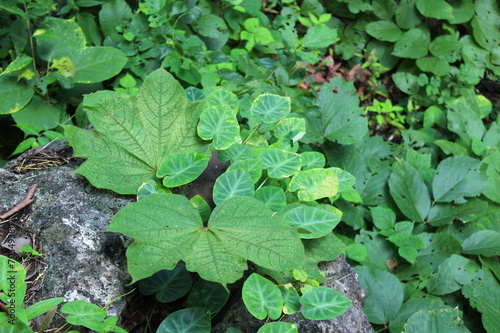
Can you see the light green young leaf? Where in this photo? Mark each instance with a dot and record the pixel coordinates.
(318, 221)
(323, 303)
(133, 133)
(235, 183)
(271, 107)
(456, 178)
(409, 191)
(262, 297)
(219, 123)
(181, 168)
(43, 306)
(314, 184)
(239, 229)
(280, 163)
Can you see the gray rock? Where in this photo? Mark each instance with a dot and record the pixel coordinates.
(66, 218)
(343, 278)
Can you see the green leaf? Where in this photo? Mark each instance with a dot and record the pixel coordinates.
(17, 64)
(280, 163)
(446, 213)
(312, 160)
(271, 107)
(314, 184)
(485, 24)
(384, 30)
(97, 63)
(223, 97)
(410, 307)
(13, 95)
(202, 206)
(492, 189)
(133, 133)
(341, 118)
(43, 306)
(326, 248)
(251, 165)
(39, 115)
(211, 26)
(319, 36)
(272, 196)
(323, 303)
(292, 129)
(239, 229)
(181, 168)
(186, 320)
(464, 121)
(446, 47)
(59, 38)
(452, 274)
(262, 297)
(167, 285)
(209, 295)
(150, 187)
(279, 327)
(318, 221)
(291, 299)
(407, 15)
(383, 217)
(385, 294)
(436, 321)
(436, 66)
(235, 183)
(412, 44)
(438, 9)
(81, 312)
(346, 180)
(408, 190)
(438, 247)
(219, 123)
(456, 178)
(484, 242)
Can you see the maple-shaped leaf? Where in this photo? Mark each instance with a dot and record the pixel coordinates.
(167, 228)
(133, 133)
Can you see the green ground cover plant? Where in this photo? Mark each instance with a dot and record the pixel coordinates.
(295, 96)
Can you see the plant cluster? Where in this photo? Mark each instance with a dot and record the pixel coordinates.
(271, 90)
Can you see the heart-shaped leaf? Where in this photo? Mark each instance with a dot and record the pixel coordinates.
(186, 320)
(133, 133)
(318, 221)
(167, 285)
(219, 124)
(262, 297)
(271, 107)
(239, 229)
(314, 184)
(324, 303)
(209, 295)
(181, 168)
(235, 183)
(221, 96)
(280, 163)
(273, 197)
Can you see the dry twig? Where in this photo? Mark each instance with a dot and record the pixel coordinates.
(27, 200)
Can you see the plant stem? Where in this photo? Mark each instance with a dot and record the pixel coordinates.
(251, 134)
(31, 39)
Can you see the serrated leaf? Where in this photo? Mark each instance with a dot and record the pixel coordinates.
(239, 229)
(219, 123)
(133, 133)
(181, 168)
(341, 118)
(456, 178)
(324, 303)
(319, 222)
(280, 163)
(271, 107)
(314, 184)
(235, 183)
(409, 191)
(262, 297)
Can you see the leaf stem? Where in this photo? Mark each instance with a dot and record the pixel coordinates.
(251, 134)
(31, 39)
(262, 184)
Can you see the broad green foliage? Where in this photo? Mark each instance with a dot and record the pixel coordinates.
(262, 297)
(133, 134)
(324, 303)
(167, 285)
(239, 229)
(186, 320)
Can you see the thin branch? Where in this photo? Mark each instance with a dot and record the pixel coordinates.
(28, 200)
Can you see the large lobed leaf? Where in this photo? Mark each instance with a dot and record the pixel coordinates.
(133, 133)
(167, 228)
